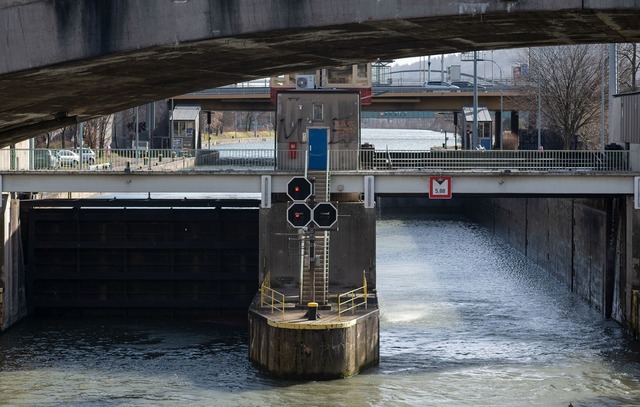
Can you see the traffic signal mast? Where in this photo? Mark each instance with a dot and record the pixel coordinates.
(304, 210)
(307, 216)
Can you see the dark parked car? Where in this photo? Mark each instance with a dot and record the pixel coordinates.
(468, 86)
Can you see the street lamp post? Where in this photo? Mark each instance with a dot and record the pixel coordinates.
(474, 135)
(499, 124)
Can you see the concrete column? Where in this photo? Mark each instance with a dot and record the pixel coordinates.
(12, 274)
(515, 122)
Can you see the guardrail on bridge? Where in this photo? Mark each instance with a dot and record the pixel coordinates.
(270, 160)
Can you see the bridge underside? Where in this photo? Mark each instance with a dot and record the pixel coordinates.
(106, 57)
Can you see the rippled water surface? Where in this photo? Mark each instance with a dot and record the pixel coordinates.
(465, 321)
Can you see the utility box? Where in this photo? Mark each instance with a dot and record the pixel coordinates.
(318, 128)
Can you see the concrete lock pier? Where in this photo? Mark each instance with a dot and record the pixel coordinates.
(290, 344)
(286, 337)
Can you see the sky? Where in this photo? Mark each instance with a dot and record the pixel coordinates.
(503, 58)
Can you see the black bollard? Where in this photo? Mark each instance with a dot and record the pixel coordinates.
(312, 313)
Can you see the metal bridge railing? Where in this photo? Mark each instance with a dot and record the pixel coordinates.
(269, 160)
(353, 299)
(271, 297)
(523, 160)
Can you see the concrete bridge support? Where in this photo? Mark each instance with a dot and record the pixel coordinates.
(295, 344)
(12, 282)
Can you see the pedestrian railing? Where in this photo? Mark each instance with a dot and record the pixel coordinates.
(270, 160)
(523, 160)
(270, 297)
(353, 299)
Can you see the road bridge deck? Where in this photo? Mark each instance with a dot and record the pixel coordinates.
(409, 182)
(263, 171)
(383, 98)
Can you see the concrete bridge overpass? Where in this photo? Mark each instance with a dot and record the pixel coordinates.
(69, 61)
(383, 99)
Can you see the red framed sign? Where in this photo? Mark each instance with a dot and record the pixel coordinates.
(439, 187)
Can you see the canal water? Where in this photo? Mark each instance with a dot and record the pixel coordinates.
(465, 321)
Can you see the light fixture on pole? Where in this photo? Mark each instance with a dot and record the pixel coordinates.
(500, 123)
(474, 136)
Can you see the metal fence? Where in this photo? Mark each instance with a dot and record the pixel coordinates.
(269, 160)
(522, 160)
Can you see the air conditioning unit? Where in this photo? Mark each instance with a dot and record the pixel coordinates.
(305, 82)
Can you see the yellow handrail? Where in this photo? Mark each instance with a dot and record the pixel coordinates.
(353, 295)
(276, 298)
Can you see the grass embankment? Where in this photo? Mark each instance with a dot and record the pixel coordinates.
(237, 136)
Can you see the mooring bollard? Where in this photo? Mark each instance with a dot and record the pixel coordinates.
(313, 311)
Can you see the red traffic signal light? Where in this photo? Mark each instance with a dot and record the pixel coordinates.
(299, 215)
(299, 189)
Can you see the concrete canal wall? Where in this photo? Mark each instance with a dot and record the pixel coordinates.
(13, 305)
(591, 245)
(566, 237)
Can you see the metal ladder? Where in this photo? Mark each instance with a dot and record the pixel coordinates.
(320, 276)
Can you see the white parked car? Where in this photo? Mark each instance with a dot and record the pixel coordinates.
(67, 158)
(440, 86)
(88, 156)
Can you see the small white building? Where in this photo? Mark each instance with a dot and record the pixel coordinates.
(485, 125)
(185, 122)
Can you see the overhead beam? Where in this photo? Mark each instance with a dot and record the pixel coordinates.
(498, 183)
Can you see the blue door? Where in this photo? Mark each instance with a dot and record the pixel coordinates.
(318, 149)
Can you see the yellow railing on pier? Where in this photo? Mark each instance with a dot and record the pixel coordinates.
(353, 299)
(271, 297)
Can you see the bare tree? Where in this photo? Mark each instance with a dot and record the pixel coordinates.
(628, 67)
(95, 131)
(67, 132)
(216, 122)
(569, 80)
(43, 140)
